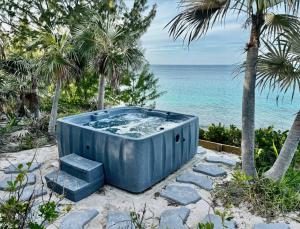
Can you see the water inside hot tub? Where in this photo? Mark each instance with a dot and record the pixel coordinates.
(135, 125)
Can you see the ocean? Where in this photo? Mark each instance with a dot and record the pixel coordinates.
(214, 94)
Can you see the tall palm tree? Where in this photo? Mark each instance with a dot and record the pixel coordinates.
(279, 67)
(57, 64)
(197, 16)
(108, 49)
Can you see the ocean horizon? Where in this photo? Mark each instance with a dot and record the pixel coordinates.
(214, 94)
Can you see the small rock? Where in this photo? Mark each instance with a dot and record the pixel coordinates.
(31, 178)
(201, 181)
(77, 220)
(217, 221)
(119, 220)
(174, 218)
(180, 194)
(14, 168)
(271, 226)
(211, 170)
(201, 150)
(220, 159)
(11, 147)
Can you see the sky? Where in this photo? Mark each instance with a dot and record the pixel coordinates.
(224, 44)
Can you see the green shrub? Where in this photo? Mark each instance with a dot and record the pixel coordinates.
(16, 213)
(28, 142)
(273, 198)
(216, 133)
(136, 89)
(221, 134)
(268, 143)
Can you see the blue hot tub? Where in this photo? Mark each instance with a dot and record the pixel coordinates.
(138, 147)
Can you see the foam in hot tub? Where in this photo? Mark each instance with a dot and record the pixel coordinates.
(138, 147)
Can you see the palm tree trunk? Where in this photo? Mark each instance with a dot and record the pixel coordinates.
(287, 152)
(101, 92)
(36, 101)
(248, 107)
(53, 117)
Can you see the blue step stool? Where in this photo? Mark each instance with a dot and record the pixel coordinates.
(77, 178)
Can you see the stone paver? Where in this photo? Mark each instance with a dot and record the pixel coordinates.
(183, 195)
(200, 180)
(174, 218)
(31, 178)
(29, 191)
(14, 168)
(271, 226)
(201, 150)
(220, 159)
(217, 221)
(119, 220)
(211, 170)
(77, 220)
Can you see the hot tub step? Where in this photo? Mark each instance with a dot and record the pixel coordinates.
(81, 167)
(72, 187)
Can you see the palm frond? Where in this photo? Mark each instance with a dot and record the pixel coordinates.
(196, 18)
(107, 48)
(264, 5)
(292, 6)
(16, 67)
(294, 40)
(276, 24)
(277, 68)
(59, 57)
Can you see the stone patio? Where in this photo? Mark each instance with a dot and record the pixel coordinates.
(112, 204)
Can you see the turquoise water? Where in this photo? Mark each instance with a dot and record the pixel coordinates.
(215, 95)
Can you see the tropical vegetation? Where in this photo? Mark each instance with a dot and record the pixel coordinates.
(64, 56)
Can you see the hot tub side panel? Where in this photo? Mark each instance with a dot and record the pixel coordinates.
(132, 164)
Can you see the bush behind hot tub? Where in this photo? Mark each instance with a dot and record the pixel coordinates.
(268, 142)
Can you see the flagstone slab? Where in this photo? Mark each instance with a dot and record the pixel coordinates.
(201, 181)
(201, 150)
(211, 170)
(30, 179)
(217, 221)
(119, 220)
(271, 226)
(220, 159)
(174, 218)
(16, 168)
(32, 191)
(182, 195)
(78, 219)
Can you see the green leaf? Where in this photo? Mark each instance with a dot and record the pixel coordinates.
(275, 149)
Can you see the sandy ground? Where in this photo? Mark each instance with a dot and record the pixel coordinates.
(114, 199)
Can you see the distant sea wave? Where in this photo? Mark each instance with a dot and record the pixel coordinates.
(214, 94)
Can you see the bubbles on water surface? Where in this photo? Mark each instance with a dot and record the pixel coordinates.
(134, 125)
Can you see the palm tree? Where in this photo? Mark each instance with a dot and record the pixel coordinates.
(279, 67)
(197, 16)
(108, 49)
(22, 69)
(57, 64)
